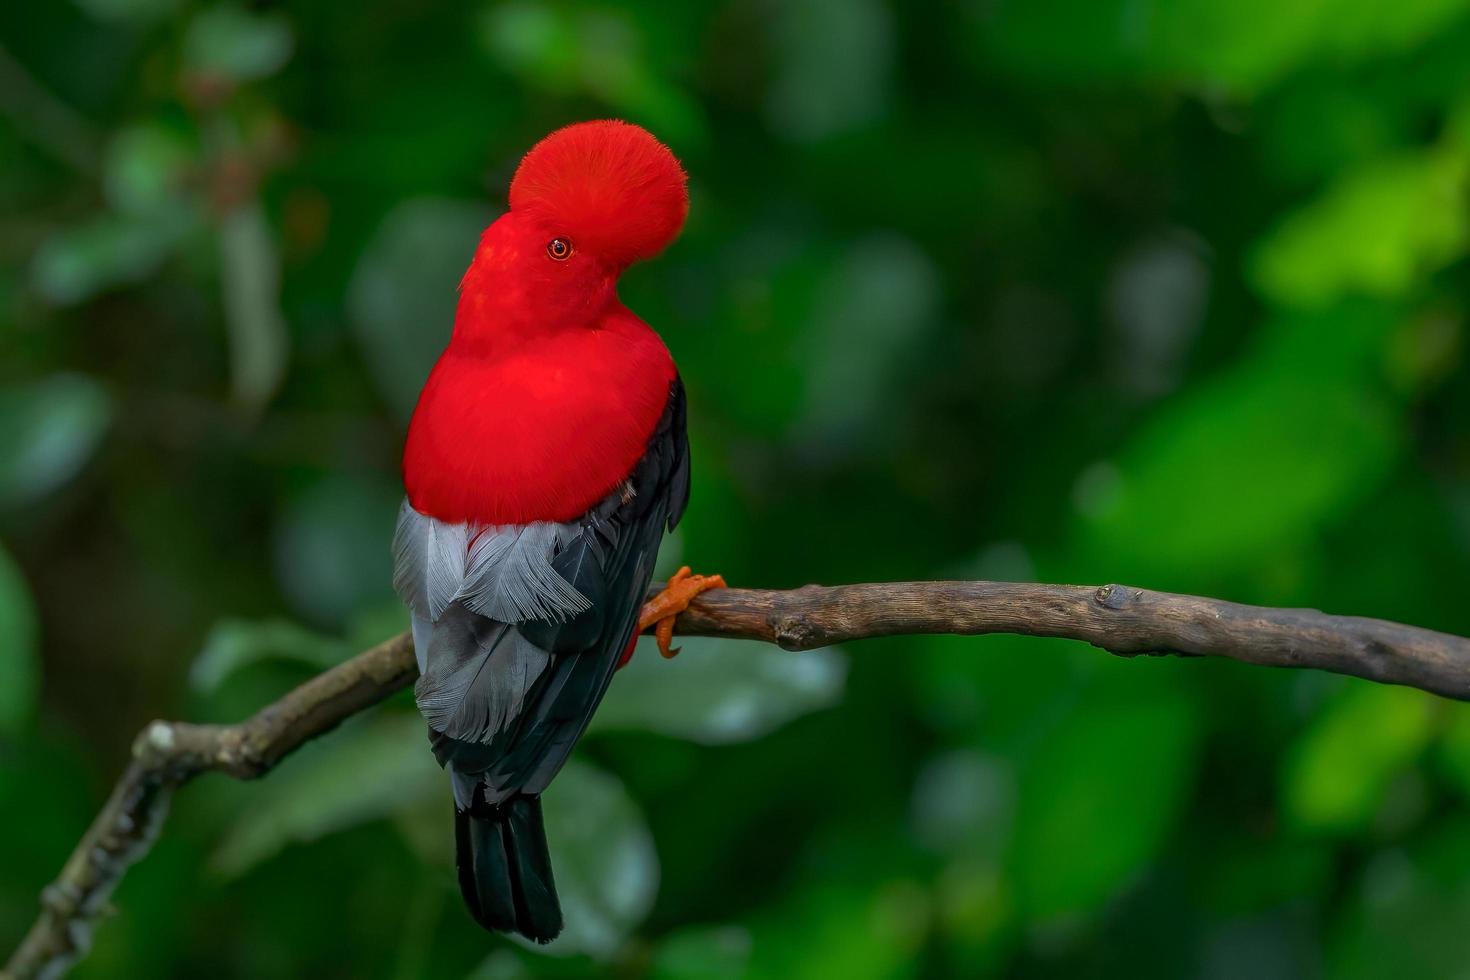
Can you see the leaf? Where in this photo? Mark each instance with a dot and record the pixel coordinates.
(719, 691)
(20, 674)
(1407, 915)
(833, 67)
(600, 53)
(251, 275)
(402, 296)
(604, 860)
(48, 430)
(232, 42)
(145, 167)
(871, 312)
(1108, 820)
(234, 644)
(702, 953)
(77, 263)
(871, 929)
(332, 546)
(1377, 231)
(1454, 746)
(1156, 299)
(370, 770)
(1338, 771)
(502, 964)
(141, 11)
(1275, 448)
(1245, 45)
(963, 804)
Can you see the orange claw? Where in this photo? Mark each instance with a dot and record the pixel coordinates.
(661, 611)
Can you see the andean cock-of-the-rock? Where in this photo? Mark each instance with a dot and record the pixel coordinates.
(545, 459)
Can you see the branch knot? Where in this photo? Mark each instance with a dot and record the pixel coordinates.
(1115, 597)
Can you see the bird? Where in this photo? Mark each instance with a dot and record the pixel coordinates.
(545, 459)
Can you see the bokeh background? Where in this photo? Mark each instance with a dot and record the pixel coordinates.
(1170, 293)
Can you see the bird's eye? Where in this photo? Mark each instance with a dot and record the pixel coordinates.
(559, 249)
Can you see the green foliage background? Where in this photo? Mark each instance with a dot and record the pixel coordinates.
(1171, 293)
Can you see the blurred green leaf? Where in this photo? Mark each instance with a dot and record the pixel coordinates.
(144, 168)
(368, 771)
(1406, 915)
(333, 546)
(503, 964)
(871, 312)
(1454, 746)
(1420, 937)
(702, 953)
(537, 41)
(48, 431)
(719, 691)
(20, 674)
(1273, 449)
(599, 53)
(1376, 231)
(1325, 129)
(1156, 298)
(251, 275)
(77, 263)
(372, 624)
(870, 930)
(234, 644)
(128, 10)
(1264, 869)
(233, 42)
(606, 866)
(1338, 771)
(772, 273)
(833, 67)
(402, 296)
(975, 910)
(1108, 819)
(963, 804)
(1246, 45)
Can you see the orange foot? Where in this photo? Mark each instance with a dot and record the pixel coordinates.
(665, 607)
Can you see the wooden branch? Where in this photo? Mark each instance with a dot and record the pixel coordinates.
(1116, 618)
(165, 756)
(1119, 619)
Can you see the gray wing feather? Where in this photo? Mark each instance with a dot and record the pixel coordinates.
(448, 548)
(509, 577)
(478, 674)
(503, 572)
(422, 632)
(411, 558)
(467, 587)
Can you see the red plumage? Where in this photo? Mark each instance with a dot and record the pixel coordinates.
(550, 388)
(614, 187)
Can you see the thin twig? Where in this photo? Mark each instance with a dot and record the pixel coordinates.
(1116, 618)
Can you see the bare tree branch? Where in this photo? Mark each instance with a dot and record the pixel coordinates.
(1116, 618)
(165, 756)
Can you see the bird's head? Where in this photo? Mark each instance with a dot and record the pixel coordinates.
(585, 203)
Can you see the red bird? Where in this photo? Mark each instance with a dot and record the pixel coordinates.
(545, 458)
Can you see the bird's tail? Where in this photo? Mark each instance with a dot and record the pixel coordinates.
(505, 868)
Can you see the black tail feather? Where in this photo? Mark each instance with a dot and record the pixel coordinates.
(505, 868)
